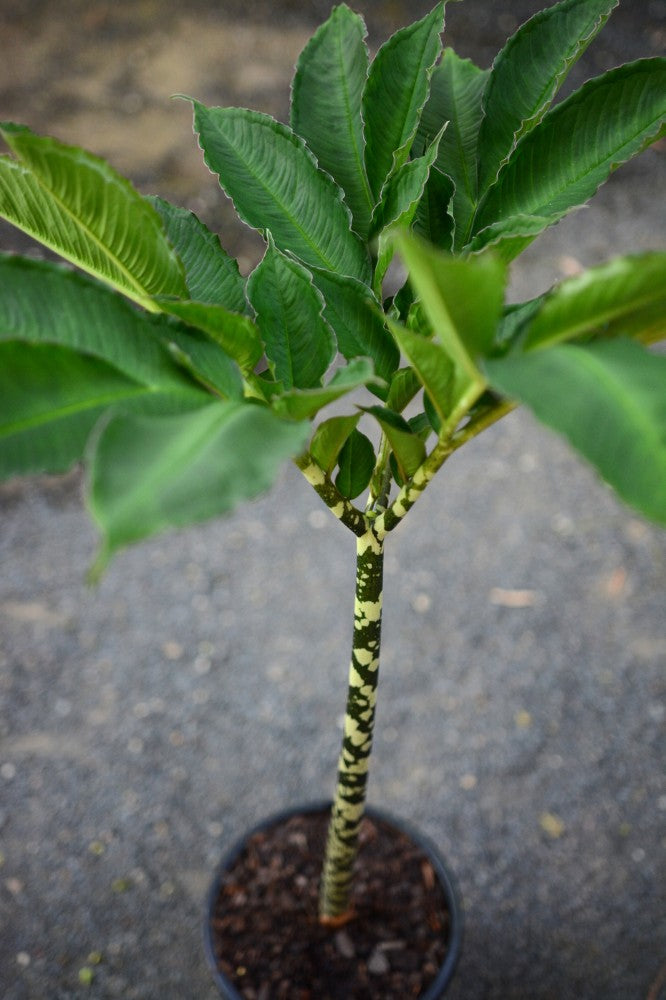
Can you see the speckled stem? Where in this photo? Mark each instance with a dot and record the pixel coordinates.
(411, 491)
(349, 801)
(323, 485)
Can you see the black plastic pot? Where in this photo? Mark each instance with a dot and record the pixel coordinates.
(437, 988)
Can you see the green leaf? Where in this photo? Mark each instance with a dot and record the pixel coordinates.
(529, 71)
(462, 298)
(329, 438)
(508, 238)
(298, 340)
(434, 217)
(69, 349)
(42, 302)
(354, 315)
(608, 398)
(148, 475)
(356, 462)
(211, 274)
(76, 204)
(203, 359)
(621, 296)
(516, 317)
(237, 335)
(326, 107)
(395, 94)
(300, 404)
(402, 193)
(404, 189)
(456, 90)
(432, 365)
(408, 448)
(404, 386)
(275, 184)
(52, 397)
(606, 122)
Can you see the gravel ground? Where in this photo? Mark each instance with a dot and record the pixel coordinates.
(145, 723)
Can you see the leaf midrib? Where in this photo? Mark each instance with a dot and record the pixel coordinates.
(551, 88)
(605, 375)
(142, 296)
(328, 264)
(180, 455)
(91, 403)
(606, 315)
(359, 155)
(647, 131)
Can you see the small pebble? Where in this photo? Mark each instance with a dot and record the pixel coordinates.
(172, 650)
(120, 885)
(378, 963)
(318, 519)
(421, 603)
(344, 944)
(551, 825)
(523, 719)
(86, 975)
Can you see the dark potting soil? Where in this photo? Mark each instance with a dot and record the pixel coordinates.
(269, 942)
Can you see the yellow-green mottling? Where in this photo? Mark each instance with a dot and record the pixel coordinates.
(349, 802)
(371, 527)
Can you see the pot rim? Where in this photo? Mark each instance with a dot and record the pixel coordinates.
(444, 877)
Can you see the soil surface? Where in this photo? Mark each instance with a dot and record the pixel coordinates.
(270, 944)
(145, 724)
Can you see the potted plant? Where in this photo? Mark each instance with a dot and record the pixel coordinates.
(370, 343)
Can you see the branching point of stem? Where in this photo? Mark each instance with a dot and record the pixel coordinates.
(325, 488)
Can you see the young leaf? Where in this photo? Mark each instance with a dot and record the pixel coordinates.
(404, 189)
(456, 89)
(76, 204)
(513, 322)
(432, 365)
(462, 297)
(529, 71)
(400, 198)
(508, 238)
(606, 122)
(52, 397)
(301, 404)
(434, 220)
(236, 334)
(608, 398)
(616, 297)
(275, 184)
(404, 386)
(147, 475)
(326, 107)
(329, 438)
(408, 448)
(395, 93)
(354, 315)
(356, 462)
(211, 274)
(298, 340)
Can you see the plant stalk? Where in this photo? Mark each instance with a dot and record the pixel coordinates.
(349, 802)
